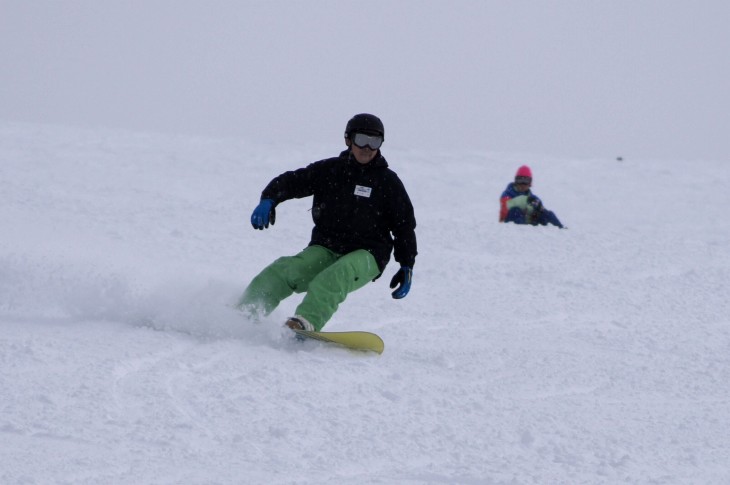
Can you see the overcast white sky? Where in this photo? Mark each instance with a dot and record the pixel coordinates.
(577, 78)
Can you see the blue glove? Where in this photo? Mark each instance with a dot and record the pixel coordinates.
(263, 214)
(402, 279)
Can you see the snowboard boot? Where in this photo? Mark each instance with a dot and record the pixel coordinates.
(299, 323)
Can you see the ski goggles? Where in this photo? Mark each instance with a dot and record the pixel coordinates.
(371, 141)
(523, 180)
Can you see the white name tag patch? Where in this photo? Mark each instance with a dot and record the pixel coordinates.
(363, 191)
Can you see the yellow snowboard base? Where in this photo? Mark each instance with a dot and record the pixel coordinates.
(352, 340)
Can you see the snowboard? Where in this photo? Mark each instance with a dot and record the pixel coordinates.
(352, 340)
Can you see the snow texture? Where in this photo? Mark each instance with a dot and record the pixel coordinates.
(523, 355)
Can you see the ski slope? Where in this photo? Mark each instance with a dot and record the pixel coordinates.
(597, 354)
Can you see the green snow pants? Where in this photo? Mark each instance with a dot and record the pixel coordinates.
(325, 276)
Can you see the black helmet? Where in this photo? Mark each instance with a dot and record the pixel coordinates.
(365, 123)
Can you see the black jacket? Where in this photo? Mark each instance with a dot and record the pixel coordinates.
(354, 207)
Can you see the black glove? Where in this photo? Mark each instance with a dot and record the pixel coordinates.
(535, 203)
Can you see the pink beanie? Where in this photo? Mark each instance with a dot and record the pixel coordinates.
(524, 171)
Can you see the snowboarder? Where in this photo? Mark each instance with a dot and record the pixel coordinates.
(361, 213)
(519, 205)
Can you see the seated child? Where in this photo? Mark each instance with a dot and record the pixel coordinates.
(519, 205)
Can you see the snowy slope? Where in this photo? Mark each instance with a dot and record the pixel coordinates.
(598, 354)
